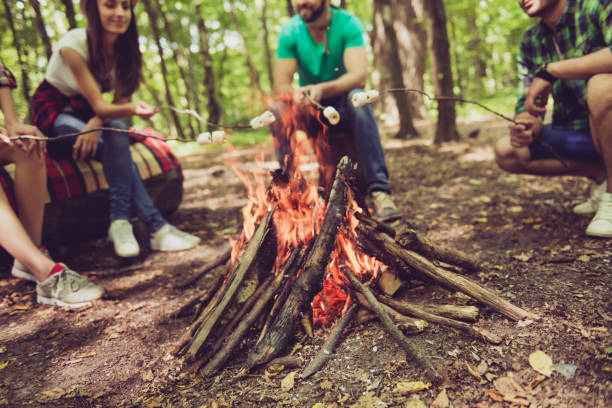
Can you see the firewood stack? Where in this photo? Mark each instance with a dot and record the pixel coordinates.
(253, 299)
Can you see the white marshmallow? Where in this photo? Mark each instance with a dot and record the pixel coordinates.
(205, 138)
(256, 122)
(332, 115)
(361, 98)
(267, 117)
(218, 136)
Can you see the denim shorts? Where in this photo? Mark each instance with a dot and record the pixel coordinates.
(570, 144)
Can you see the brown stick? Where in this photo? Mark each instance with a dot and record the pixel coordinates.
(311, 278)
(220, 259)
(214, 310)
(405, 323)
(408, 308)
(447, 278)
(242, 329)
(468, 313)
(202, 296)
(327, 350)
(287, 362)
(410, 239)
(392, 329)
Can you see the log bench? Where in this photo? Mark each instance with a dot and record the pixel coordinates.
(77, 204)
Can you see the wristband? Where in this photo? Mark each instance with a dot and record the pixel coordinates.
(542, 72)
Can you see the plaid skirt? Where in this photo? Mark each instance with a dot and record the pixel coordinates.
(48, 102)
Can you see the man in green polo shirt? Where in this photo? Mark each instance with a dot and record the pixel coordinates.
(325, 46)
(568, 54)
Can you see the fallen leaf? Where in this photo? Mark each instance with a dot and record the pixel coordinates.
(536, 381)
(473, 370)
(51, 335)
(288, 382)
(441, 400)
(52, 394)
(2, 365)
(566, 370)
(515, 209)
(415, 403)
(410, 387)
(2, 349)
(523, 256)
(541, 362)
(495, 395)
(88, 354)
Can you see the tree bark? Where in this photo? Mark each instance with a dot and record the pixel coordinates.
(153, 20)
(214, 107)
(446, 127)
(290, 9)
(25, 81)
(40, 24)
(267, 49)
(402, 103)
(411, 40)
(70, 13)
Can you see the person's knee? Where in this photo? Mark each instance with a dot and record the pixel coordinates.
(506, 157)
(20, 157)
(116, 139)
(599, 95)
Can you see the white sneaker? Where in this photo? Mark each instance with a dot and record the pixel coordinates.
(122, 237)
(590, 205)
(169, 238)
(21, 271)
(601, 225)
(67, 289)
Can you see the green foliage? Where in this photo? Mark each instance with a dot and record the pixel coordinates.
(484, 37)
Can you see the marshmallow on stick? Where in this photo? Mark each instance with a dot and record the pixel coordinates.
(332, 115)
(361, 98)
(262, 120)
(217, 137)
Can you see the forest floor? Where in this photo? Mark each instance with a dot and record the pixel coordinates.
(118, 352)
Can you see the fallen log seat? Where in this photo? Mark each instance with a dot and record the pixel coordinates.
(77, 201)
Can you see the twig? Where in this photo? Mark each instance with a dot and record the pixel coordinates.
(216, 262)
(330, 344)
(397, 335)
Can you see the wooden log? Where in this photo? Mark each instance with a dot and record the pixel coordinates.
(406, 324)
(212, 313)
(410, 239)
(245, 324)
(407, 308)
(220, 259)
(457, 312)
(310, 280)
(327, 350)
(445, 277)
(397, 335)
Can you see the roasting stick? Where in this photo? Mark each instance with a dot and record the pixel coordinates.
(330, 113)
(365, 97)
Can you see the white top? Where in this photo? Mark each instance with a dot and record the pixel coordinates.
(58, 72)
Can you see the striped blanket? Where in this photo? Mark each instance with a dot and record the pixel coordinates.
(68, 178)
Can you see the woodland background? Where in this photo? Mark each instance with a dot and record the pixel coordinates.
(216, 57)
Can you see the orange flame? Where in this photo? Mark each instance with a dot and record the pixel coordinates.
(299, 210)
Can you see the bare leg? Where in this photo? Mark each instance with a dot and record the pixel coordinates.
(599, 99)
(22, 240)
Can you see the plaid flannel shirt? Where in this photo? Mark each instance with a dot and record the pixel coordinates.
(584, 27)
(6, 77)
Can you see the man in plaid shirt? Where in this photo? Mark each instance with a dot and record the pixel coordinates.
(568, 54)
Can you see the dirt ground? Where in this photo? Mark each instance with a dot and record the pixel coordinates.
(118, 352)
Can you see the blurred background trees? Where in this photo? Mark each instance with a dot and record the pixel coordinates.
(216, 57)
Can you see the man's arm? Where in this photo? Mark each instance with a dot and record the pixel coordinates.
(284, 69)
(356, 63)
(598, 62)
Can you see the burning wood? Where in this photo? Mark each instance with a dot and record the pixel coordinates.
(305, 257)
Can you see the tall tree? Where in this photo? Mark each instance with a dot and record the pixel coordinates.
(266, 38)
(153, 20)
(446, 127)
(25, 81)
(395, 68)
(214, 108)
(410, 39)
(40, 23)
(69, 6)
(290, 9)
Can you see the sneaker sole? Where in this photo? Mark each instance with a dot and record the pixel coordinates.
(57, 302)
(599, 234)
(128, 255)
(18, 273)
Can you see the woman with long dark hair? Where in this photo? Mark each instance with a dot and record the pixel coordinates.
(102, 58)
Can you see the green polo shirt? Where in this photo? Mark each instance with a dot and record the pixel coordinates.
(314, 63)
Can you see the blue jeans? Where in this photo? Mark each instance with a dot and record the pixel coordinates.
(125, 186)
(360, 123)
(571, 144)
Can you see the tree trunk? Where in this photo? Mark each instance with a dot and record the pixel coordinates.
(446, 128)
(25, 81)
(410, 38)
(70, 13)
(214, 108)
(153, 20)
(266, 38)
(406, 129)
(40, 24)
(178, 58)
(290, 9)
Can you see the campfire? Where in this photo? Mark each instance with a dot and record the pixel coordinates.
(311, 253)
